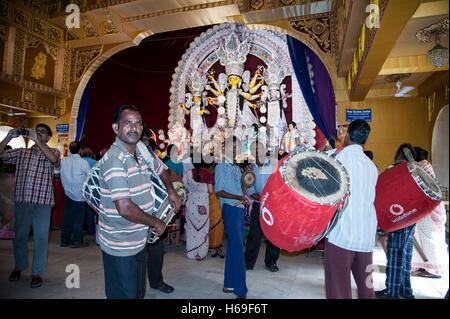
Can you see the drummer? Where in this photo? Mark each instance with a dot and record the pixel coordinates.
(125, 204)
(399, 252)
(349, 245)
(263, 168)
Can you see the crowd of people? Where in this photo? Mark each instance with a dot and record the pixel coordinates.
(219, 205)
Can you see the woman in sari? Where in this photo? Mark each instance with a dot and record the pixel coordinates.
(199, 183)
(216, 222)
(430, 234)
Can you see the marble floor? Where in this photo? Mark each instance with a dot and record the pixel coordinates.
(301, 276)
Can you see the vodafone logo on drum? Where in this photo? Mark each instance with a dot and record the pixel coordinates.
(396, 209)
(267, 216)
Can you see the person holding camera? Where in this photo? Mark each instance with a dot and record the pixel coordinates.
(33, 197)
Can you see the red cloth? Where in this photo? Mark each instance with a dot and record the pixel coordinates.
(58, 209)
(205, 176)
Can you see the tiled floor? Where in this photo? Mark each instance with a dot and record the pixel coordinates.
(300, 276)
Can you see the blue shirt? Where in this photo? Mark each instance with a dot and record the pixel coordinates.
(73, 172)
(177, 167)
(228, 178)
(261, 176)
(357, 227)
(90, 161)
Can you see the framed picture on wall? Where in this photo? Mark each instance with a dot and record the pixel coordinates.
(63, 138)
(341, 131)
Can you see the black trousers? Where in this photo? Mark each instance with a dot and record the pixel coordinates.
(155, 260)
(254, 242)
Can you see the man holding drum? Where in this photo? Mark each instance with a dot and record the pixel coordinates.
(263, 168)
(349, 245)
(399, 250)
(126, 206)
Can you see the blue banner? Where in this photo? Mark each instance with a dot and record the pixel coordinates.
(351, 115)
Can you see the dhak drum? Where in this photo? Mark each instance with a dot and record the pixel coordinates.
(303, 199)
(91, 190)
(405, 194)
(248, 177)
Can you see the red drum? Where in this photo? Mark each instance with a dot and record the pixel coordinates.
(302, 199)
(405, 194)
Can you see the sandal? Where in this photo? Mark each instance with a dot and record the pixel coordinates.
(227, 290)
(426, 274)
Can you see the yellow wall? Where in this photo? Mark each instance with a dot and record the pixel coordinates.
(394, 121)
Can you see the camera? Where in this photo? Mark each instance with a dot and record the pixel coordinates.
(22, 131)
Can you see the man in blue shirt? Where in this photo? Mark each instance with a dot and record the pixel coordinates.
(73, 172)
(86, 154)
(263, 168)
(228, 188)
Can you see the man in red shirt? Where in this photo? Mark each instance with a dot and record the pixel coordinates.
(33, 197)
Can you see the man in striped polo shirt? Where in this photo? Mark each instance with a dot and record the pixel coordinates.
(126, 204)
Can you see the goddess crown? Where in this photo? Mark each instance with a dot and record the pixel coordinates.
(232, 54)
(274, 74)
(196, 82)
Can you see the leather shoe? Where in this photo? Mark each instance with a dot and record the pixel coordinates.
(79, 245)
(15, 275)
(65, 244)
(165, 288)
(383, 294)
(272, 268)
(36, 281)
(241, 297)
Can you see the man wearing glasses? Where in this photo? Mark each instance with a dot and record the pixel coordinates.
(34, 197)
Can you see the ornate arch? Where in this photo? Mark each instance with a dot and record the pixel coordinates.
(326, 59)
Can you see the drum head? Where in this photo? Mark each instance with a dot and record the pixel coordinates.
(248, 179)
(427, 182)
(317, 177)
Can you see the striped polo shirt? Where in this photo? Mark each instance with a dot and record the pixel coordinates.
(122, 177)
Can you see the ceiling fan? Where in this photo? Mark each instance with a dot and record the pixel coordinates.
(401, 92)
(11, 113)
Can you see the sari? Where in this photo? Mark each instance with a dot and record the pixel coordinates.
(197, 215)
(430, 236)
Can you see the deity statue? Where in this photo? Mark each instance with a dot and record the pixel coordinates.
(289, 142)
(234, 92)
(38, 69)
(274, 101)
(195, 104)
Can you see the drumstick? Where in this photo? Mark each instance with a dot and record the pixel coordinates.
(239, 203)
(407, 154)
(420, 251)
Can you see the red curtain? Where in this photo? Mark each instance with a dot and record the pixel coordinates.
(141, 76)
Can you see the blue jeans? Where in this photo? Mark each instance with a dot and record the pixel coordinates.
(90, 220)
(38, 216)
(233, 220)
(125, 276)
(72, 222)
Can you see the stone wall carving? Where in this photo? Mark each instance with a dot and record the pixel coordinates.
(81, 59)
(19, 54)
(319, 28)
